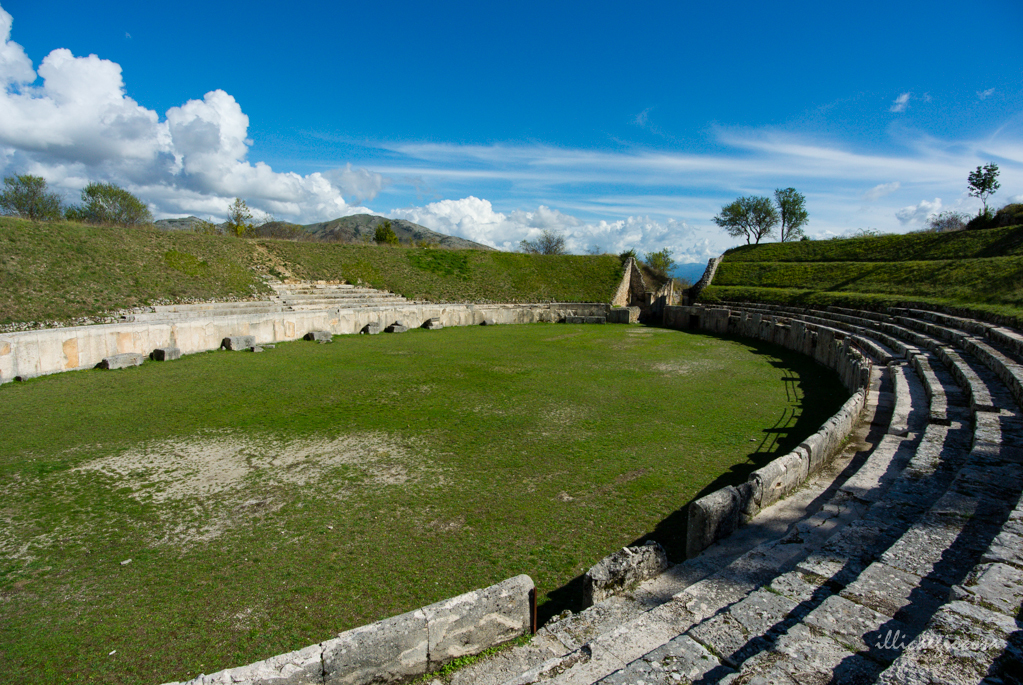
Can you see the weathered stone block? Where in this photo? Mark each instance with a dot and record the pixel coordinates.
(585, 319)
(488, 322)
(781, 476)
(433, 324)
(122, 361)
(396, 327)
(626, 315)
(319, 336)
(385, 651)
(711, 518)
(303, 667)
(371, 328)
(475, 621)
(255, 348)
(625, 568)
(238, 342)
(165, 354)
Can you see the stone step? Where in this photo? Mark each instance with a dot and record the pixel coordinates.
(840, 617)
(795, 599)
(605, 637)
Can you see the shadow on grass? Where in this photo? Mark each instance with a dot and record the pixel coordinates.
(671, 531)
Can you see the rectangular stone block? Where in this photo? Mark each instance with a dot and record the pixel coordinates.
(238, 342)
(319, 336)
(304, 667)
(396, 327)
(371, 328)
(475, 621)
(781, 476)
(433, 324)
(625, 315)
(711, 518)
(122, 361)
(165, 354)
(386, 651)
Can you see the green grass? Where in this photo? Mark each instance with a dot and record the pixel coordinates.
(62, 272)
(457, 275)
(997, 280)
(268, 501)
(977, 271)
(998, 242)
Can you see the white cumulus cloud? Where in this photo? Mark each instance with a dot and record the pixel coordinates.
(900, 103)
(985, 94)
(476, 219)
(78, 126)
(881, 190)
(919, 214)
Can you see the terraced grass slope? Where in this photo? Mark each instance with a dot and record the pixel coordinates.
(976, 270)
(62, 272)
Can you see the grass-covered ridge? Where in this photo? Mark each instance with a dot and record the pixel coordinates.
(981, 271)
(456, 275)
(59, 272)
(268, 501)
(996, 242)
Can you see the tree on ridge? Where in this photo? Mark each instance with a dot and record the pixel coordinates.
(751, 217)
(27, 196)
(983, 183)
(792, 212)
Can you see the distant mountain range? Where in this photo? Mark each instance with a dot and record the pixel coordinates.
(358, 228)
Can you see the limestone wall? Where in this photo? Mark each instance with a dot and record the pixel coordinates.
(718, 514)
(35, 353)
(402, 647)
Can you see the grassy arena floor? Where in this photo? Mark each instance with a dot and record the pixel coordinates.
(268, 501)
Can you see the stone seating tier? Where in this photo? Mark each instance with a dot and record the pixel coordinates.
(901, 562)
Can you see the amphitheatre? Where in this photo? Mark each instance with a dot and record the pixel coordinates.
(534, 469)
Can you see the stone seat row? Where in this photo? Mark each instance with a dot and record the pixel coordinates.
(910, 553)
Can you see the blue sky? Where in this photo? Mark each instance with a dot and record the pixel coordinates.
(620, 125)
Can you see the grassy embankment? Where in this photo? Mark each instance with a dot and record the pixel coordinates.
(976, 270)
(63, 272)
(269, 501)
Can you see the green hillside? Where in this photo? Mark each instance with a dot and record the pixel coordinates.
(978, 270)
(64, 272)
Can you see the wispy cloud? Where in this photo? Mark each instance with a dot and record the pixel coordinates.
(920, 213)
(642, 118)
(900, 103)
(985, 94)
(879, 191)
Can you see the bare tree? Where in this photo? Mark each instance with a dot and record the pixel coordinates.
(549, 242)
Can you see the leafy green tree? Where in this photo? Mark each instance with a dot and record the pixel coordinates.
(26, 196)
(549, 242)
(751, 217)
(661, 263)
(385, 235)
(106, 203)
(239, 218)
(983, 183)
(792, 211)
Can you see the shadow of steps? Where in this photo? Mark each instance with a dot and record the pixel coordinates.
(916, 543)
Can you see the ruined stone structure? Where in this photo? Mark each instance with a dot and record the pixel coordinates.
(887, 547)
(901, 561)
(296, 310)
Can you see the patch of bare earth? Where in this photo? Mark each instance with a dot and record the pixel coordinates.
(206, 484)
